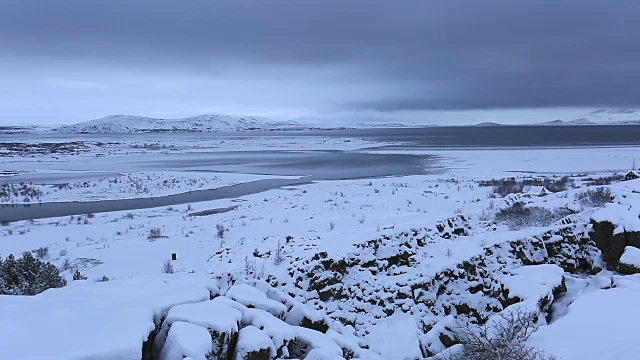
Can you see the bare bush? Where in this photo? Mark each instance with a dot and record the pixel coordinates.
(66, 265)
(220, 230)
(604, 180)
(250, 266)
(278, 256)
(519, 216)
(167, 267)
(502, 338)
(42, 252)
(595, 198)
(449, 253)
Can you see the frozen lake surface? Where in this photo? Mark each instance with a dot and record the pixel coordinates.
(311, 155)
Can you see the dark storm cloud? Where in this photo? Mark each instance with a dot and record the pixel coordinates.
(434, 54)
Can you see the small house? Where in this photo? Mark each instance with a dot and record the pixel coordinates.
(536, 191)
(632, 175)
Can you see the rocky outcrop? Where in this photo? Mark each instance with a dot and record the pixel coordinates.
(612, 241)
(251, 320)
(391, 274)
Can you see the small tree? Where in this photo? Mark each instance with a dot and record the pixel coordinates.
(28, 275)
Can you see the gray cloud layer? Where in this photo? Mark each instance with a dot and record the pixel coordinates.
(316, 56)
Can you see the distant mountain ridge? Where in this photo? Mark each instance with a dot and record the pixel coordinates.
(597, 117)
(121, 124)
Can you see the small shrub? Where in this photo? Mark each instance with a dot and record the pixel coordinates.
(66, 265)
(154, 233)
(78, 276)
(278, 257)
(167, 267)
(63, 252)
(102, 279)
(42, 252)
(220, 230)
(250, 266)
(604, 180)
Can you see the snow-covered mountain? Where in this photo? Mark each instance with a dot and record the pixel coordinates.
(118, 124)
(600, 117)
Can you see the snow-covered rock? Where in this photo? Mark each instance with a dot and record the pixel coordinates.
(187, 340)
(396, 338)
(86, 319)
(221, 320)
(253, 344)
(535, 282)
(251, 297)
(630, 261)
(616, 226)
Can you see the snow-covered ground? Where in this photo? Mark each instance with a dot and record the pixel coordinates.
(392, 234)
(128, 186)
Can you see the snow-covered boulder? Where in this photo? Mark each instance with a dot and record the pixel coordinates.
(537, 284)
(253, 344)
(302, 315)
(221, 320)
(187, 340)
(629, 261)
(249, 296)
(396, 338)
(615, 227)
(282, 335)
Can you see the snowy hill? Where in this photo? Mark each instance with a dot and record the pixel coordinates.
(118, 124)
(559, 122)
(487, 124)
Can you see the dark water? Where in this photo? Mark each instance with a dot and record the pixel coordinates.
(39, 211)
(424, 137)
(505, 136)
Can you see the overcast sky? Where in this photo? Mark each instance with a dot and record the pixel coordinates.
(66, 61)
